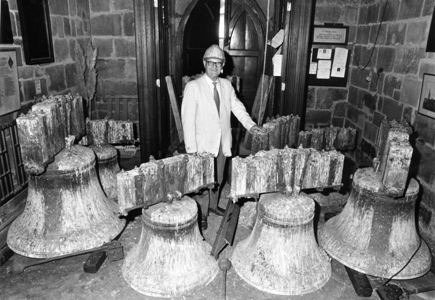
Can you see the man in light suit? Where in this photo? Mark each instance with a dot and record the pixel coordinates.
(206, 113)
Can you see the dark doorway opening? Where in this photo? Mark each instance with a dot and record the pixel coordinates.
(201, 32)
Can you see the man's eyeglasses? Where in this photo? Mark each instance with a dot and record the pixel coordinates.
(214, 64)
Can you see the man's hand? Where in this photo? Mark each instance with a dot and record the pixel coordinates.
(257, 129)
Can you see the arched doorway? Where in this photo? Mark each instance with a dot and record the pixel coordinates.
(245, 44)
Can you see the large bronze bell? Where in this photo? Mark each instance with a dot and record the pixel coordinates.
(108, 167)
(66, 210)
(281, 255)
(171, 258)
(376, 234)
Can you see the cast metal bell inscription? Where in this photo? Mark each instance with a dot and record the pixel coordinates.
(376, 234)
(66, 209)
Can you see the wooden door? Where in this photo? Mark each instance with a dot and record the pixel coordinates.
(245, 47)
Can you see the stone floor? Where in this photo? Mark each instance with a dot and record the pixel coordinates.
(65, 279)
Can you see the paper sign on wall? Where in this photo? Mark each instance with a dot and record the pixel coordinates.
(339, 65)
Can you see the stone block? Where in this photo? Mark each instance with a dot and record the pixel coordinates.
(378, 34)
(363, 33)
(107, 24)
(60, 27)
(392, 11)
(386, 57)
(111, 68)
(407, 60)
(370, 132)
(362, 18)
(104, 45)
(349, 15)
(428, 8)
(380, 82)
(327, 14)
(377, 118)
(318, 117)
(128, 24)
(327, 96)
(359, 78)
(396, 95)
(396, 34)
(373, 12)
(410, 9)
(119, 87)
(130, 69)
(353, 114)
(354, 97)
(25, 72)
(369, 102)
(351, 38)
(426, 67)
(70, 74)
(59, 7)
(380, 103)
(425, 128)
(79, 27)
(337, 122)
(123, 4)
(125, 48)
(61, 50)
(57, 78)
(53, 22)
(411, 92)
(82, 5)
(100, 6)
(417, 33)
(72, 8)
(391, 83)
(392, 109)
(340, 109)
(311, 97)
(67, 26)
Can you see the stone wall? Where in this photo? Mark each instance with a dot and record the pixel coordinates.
(69, 23)
(387, 70)
(113, 33)
(327, 105)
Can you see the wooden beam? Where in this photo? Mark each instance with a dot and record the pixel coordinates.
(296, 67)
(144, 12)
(174, 105)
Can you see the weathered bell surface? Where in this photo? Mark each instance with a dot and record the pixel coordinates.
(281, 255)
(376, 234)
(107, 168)
(66, 209)
(171, 258)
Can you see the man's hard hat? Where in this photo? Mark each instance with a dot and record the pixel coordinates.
(214, 51)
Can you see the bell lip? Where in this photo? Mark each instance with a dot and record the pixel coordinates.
(314, 287)
(134, 253)
(347, 250)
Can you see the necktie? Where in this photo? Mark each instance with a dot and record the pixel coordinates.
(216, 96)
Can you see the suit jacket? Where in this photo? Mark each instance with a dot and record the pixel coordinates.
(203, 127)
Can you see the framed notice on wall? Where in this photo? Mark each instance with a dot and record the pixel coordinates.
(330, 35)
(9, 89)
